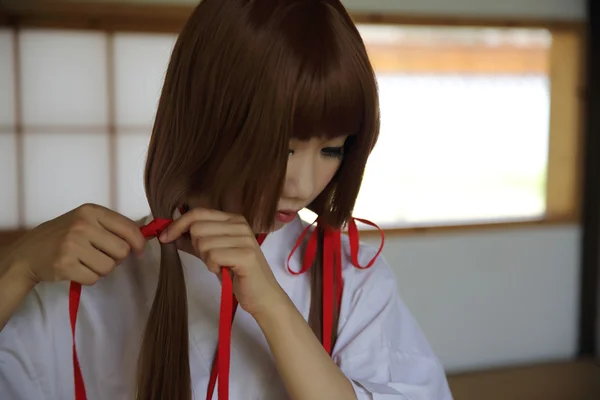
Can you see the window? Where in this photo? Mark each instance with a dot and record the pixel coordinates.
(479, 124)
(464, 125)
(467, 124)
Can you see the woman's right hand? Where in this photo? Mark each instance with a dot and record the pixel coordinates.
(81, 245)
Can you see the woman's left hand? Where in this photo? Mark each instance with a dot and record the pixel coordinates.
(221, 240)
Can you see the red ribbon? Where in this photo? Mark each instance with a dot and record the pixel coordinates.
(153, 229)
(74, 297)
(332, 275)
(222, 358)
(332, 266)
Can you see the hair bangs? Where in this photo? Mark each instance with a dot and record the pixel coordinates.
(328, 94)
(329, 101)
(334, 94)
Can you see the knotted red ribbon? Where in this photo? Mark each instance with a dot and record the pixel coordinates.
(332, 266)
(332, 275)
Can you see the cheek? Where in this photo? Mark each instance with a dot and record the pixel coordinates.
(325, 172)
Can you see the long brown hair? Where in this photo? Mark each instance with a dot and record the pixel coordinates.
(244, 78)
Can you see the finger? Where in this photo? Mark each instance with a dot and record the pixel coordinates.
(220, 228)
(96, 260)
(80, 273)
(184, 223)
(203, 245)
(125, 228)
(218, 272)
(110, 244)
(218, 269)
(232, 258)
(200, 246)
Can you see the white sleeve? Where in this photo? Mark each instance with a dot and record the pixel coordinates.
(28, 367)
(380, 346)
(18, 378)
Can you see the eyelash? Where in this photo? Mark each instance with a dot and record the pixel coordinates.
(333, 152)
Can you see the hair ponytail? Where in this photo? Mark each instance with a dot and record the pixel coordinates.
(164, 370)
(163, 363)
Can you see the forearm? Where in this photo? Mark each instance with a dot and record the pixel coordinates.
(305, 367)
(14, 286)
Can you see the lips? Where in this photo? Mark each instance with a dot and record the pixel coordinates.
(286, 216)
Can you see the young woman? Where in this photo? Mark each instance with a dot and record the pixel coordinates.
(268, 107)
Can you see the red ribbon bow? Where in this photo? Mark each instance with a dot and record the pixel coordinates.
(155, 227)
(332, 266)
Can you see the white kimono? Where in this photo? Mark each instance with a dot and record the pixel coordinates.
(380, 347)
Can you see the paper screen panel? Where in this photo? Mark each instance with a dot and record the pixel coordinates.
(7, 81)
(132, 149)
(63, 171)
(8, 182)
(64, 79)
(140, 64)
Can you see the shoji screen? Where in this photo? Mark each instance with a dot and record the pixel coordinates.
(63, 93)
(140, 62)
(8, 161)
(76, 113)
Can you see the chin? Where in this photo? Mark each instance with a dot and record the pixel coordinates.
(277, 226)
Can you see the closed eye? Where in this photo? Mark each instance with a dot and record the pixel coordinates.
(334, 152)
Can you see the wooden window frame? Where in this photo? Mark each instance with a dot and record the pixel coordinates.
(566, 77)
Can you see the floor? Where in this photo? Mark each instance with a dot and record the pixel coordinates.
(579, 380)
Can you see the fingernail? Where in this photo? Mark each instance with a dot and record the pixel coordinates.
(163, 237)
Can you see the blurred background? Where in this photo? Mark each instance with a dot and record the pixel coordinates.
(483, 177)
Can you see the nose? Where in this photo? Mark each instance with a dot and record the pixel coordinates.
(300, 178)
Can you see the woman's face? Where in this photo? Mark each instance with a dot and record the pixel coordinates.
(311, 165)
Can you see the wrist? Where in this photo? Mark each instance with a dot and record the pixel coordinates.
(276, 310)
(15, 285)
(18, 274)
